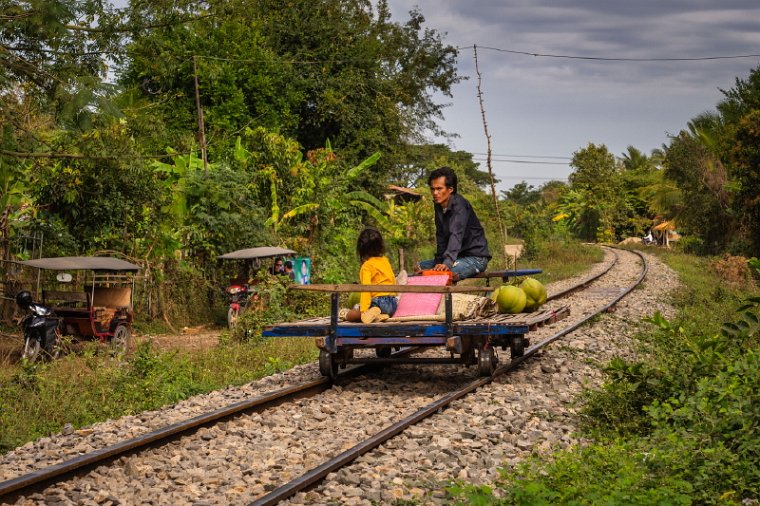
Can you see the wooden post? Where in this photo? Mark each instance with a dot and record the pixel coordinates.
(502, 230)
(201, 127)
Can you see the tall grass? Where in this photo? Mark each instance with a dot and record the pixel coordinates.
(38, 399)
(561, 260)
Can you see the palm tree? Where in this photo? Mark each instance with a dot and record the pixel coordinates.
(707, 128)
(663, 196)
(634, 160)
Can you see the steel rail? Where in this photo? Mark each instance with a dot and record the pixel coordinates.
(41, 478)
(46, 476)
(38, 479)
(318, 473)
(584, 283)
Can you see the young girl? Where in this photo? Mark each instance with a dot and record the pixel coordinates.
(375, 270)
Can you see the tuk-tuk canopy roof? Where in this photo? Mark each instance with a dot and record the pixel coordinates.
(665, 225)
(260, 252)
(82, 263)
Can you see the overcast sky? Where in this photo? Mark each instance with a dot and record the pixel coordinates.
(551, 107)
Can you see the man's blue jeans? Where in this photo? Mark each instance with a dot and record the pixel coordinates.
(465, 267)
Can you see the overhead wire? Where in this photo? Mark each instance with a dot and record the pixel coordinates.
(527, 162)
(602, 58)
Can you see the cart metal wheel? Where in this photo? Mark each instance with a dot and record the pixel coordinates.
(383, 351)
(487, 361)
(122, 340)
(328, 365)
(517, 346)
(31, 349)
(232, 317)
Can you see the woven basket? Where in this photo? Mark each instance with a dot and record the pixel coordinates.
(465, 306)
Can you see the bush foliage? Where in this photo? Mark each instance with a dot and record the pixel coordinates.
(679, 426)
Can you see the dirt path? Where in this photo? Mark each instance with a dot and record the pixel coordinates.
(198, 338)
(189, 339)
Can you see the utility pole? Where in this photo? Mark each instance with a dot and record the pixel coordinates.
(201, 127)
(502, 230)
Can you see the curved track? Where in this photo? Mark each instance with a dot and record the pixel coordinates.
(34, 482)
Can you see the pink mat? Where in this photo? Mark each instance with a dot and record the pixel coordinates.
(421, 304)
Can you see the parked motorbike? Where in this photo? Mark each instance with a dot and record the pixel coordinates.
(238, 298)
(42, 329)
(648, 239)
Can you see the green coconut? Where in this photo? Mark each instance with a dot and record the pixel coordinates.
(511, 299)
(535, 293)
(495, 293)
(353, 299)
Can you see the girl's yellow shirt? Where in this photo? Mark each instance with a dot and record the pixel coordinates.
(375, 271)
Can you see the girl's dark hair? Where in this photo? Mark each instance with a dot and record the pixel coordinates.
(370, 244)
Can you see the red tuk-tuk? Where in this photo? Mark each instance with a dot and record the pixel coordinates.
(239, 291)
(95, 302)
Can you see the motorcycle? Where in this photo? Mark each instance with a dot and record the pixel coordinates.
(42, 329)
(239, 294)
(648, 239)
(238, 299)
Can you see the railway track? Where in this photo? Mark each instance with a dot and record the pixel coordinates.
(271, 448)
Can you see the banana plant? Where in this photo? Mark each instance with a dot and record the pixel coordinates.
(176, 180)
(330, 194)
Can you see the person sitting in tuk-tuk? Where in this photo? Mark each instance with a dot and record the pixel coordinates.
(289, 272)
(278, 269)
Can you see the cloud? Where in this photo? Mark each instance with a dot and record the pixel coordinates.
(555, 106)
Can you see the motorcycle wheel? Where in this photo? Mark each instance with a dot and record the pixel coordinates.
(232, 317)
(122, 341)
(31, 349)
(53, 346)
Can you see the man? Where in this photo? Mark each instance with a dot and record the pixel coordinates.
(289, 270)
(278, 268)
(461, 245)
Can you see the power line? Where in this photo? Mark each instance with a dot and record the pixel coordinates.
(534, 178)
(529, 162)
(524, 156)
(600, 58)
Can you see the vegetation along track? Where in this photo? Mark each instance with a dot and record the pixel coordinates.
(225, 459)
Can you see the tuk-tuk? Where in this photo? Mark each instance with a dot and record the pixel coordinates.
(95, 302)
(240, 292)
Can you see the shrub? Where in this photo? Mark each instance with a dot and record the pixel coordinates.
(734, 270)
(608, 474)
(278, 303)
(692, 245)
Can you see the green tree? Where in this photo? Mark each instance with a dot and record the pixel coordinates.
(105, 200)
(595, 205)
(240, 82)
(421, 159)
(522, 194)
(52, 59)
(317, 71)
(693, 168)
(739, 112)
(744, 161)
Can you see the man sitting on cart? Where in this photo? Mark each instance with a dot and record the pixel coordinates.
(461, 245)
